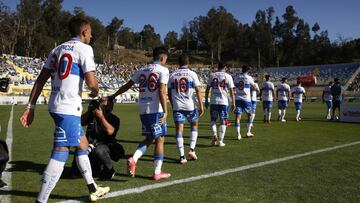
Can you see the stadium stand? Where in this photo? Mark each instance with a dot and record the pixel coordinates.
(324, 73)
(23, 71)
(355, 84)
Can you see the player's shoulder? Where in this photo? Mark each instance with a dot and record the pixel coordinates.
(162, 68)
(82, 48)
(192, 72)
(227, 75)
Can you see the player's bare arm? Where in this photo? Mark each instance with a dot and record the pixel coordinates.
(92, 83)
(199, 98)
(273, 93)
(163, 102)
(169, 96)
(207, 96)
(28, 116)
(123, 89)
(232, 95)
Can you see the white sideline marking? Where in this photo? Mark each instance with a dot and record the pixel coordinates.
(7, 174)
(215, 174)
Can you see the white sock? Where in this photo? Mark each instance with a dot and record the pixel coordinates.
(50, 177)
(298, 114)
(280, 112)
(83, 163)
(238, 128)
(222, 132)
(283, 114)
(158, 160)
(193, 138)
(252, 118)
(180, 144)
(139, 152)
(249, 127)
(213, 127)
(269, 115)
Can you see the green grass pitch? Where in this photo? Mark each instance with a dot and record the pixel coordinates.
(332, 176)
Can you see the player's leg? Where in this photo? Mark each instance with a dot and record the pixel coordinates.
(329, 109)
(213, 117)
(159, 133)
(146, 122)
(84, 165)
(223, 118)
(193, 118)
(253, 112)
(180, 142)
(270, 104)
(328, 112)
(238, 112)
(248, 111)
(265, 111)
(64, 137)
(337, 106)
(298, 110)
(158, 159)
(285, 105)
(193, 140)
(280, 110)
(52, 172)
(179, 119)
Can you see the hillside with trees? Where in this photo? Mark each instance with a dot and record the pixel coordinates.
(37, 26)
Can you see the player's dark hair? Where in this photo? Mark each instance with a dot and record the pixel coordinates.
(267, 77)
(283, 79)
(76, 24)
(336, 80)
(245, 68)
(158, 51)
(330, 83)
(184, 60)
(221, 65)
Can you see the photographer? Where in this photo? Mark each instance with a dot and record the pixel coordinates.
(4, 158)
(102, 127)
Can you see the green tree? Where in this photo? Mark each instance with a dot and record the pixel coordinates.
(149, 38)
(113, 31)
(171, 39)
(128, 38)
(214, 28)
(30, 14)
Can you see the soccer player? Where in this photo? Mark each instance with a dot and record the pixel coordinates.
(327, 98)
(221, 84)
(152, 79)
(267, 93)
(283, 95)
(183, 86)
(336, 91)
(254, 91)
(297, 93)
(68, 65)
(243, 82)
